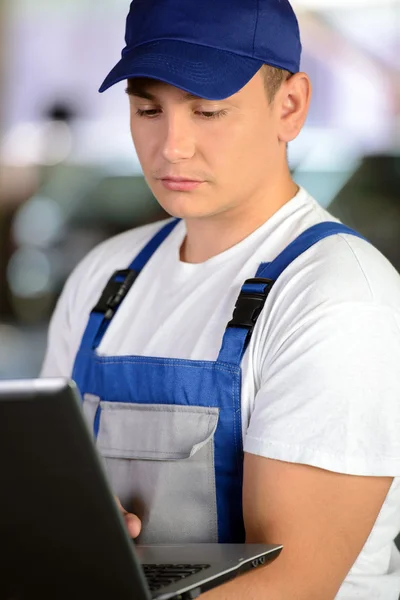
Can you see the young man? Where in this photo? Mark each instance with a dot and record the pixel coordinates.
(281, 424)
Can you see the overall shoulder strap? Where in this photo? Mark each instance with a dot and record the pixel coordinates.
(255, 291)
(117, 288)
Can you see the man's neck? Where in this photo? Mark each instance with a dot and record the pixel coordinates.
(208, 237)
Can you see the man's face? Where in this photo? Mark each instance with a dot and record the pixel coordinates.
(200, 157)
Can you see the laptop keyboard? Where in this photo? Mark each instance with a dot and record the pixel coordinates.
(159, 575)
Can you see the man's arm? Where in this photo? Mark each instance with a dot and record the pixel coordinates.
(322, 445)
(322, 518)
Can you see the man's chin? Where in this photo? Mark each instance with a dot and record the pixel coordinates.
(186, 206)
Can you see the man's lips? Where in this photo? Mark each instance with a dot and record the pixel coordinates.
(180, 184)
(179, 179)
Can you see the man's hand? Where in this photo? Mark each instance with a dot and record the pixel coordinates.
(132, 522)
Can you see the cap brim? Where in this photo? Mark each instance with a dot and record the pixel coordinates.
(202, 71)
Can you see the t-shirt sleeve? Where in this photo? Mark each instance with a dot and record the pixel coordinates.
(59, 357)
(330, 394)
(70, 316)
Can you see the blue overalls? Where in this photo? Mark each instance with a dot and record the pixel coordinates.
(169, 430)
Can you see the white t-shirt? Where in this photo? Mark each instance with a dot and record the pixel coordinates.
(321, 376)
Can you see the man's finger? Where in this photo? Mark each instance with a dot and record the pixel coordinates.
(132, 522)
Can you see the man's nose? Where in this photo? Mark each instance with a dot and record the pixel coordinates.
(178, 143)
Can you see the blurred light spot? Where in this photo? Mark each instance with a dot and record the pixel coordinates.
(38, 222)
(29, 273)
(56, 143)
(22, 145)
(327, 150)
(37, 143)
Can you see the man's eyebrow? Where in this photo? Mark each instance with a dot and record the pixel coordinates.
(140, 92)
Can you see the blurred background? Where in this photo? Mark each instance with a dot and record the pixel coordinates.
(69, 176)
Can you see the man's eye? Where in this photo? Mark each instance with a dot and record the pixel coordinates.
(212, 114)
(153, 112)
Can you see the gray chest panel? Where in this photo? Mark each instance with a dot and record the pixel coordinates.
(159, 460)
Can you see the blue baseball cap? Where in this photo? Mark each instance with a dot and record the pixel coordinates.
(210, 48)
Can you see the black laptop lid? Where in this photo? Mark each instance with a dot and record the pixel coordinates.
(61, 535)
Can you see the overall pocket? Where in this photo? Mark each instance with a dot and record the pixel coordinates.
(160, 462)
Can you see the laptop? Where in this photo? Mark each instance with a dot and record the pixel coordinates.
(61, 534)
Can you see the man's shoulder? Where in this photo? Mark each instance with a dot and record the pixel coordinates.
(342, 273)
(342, 286)
(343, 267)
(349, 268)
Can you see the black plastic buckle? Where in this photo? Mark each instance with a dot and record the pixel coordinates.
(250, 304)
(115, 292)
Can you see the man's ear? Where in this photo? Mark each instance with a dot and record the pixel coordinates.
(292, 103)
